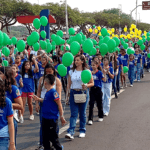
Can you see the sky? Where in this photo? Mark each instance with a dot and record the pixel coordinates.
(100, 5)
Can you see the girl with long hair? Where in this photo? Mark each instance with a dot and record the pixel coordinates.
(76, 87)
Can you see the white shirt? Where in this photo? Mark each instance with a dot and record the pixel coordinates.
(34, 53)
(76, 82)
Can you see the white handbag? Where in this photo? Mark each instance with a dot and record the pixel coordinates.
(80, 98)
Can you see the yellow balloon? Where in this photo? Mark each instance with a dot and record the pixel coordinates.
(113, 30)
(136, 30)
(125, 29)
(90, 30)
(99, 28)
(100, 34)
(96, 31)
(140, 38)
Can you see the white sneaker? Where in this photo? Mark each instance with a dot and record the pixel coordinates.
(31, 117)
(138, 80)
(69, 136)
(21, 119)
(125, 85)
(106, 114)
(100, 119)
(131, 85)
(121, 87)
(90, 122)
(81, 135)
(135, 80)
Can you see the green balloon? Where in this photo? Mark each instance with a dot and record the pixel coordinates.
(148, 34)
(106, 39)
(6, 51)
(21, 45)
(125, 69)
(67, 59)
(129, 51)
(53, 43)
(44, 21)
(5, 39)
(1, 37)
(93, 51)
(148, 38)
(43, 44)
(63, 41)
(144, 40)
(101, 37)
(14, 40)
(125, 46)
(67, 48)
(5, 63)
(62, 47)
(117, 41)
(148, 55)
(53, 36)
(78, 38)
(142, 47)
(84, 37)
(87, 46)
(10, 42)
(71, 31)
(94, 42)
(86, 76)
(140, 42)
(43, 34)
(30, 40)
(35, 37)
(121, 39)
(49, 48)
(94, 26)
(53, 47)
(97, 47)
(58, 40)
(104, 32)
(101, 42)
(37, 23)
(75, 48)
(104, 48)
(47, 40)
(36, 46)
(62, 70)
(111, 45)
(126, 40)
(60, 33)
(15, 51)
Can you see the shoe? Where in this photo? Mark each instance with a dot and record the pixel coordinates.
(90, 122)
(69, 136)
(135, 80)
(121, 87)
(116, 96)
(31, 117)
(100, 119)
(40, 147)
(131, 85)
(106, 114)
(125, 85)
(138, 80)
(21, 119)
(38, 113)
(81, 135)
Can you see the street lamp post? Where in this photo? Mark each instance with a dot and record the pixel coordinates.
(136, 11)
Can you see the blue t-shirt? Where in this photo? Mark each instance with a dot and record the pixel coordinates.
(124, 59)
(36, 75)
(50, 108)
(15, 93)
(28, 83)
(41, 71)
(143, 60)
(120, 63)
(58, 76)
(24, 59)
(4, 113)
(18, 78)
(131, 64)
(108, 79)
(97, 77)
(138, 57)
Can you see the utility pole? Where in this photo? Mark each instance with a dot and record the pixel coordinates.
(120, 10)
(66, 20)
(136, 12)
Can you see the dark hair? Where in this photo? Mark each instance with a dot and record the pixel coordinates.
(135, 45)
(50, 79)
(23, 69)
(82, 58)
(115, 62)
(17, 55)
(95, 62)
(2, 94)
(30, 58)
(0, 60)
(56, 58)
(106, 57)
(122, 49)
(9, 80)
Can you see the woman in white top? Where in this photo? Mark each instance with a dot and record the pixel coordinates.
(49, 69)
(76, 87)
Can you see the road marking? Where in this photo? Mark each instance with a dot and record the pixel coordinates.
(63, 129)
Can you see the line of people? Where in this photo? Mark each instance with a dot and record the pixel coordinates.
(33, 77)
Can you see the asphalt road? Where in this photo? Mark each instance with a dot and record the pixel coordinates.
(126, 128)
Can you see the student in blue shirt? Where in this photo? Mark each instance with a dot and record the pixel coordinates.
(143, 63)
(12, 92)
(107, 86)
(124, 57)
(57, 62)
(138, 64)
(28, 82)
(131, 65)
(51, 109)
(7, 140)
(18, 63)
(96, 93)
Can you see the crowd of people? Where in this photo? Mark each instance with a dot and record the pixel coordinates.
(32, 77)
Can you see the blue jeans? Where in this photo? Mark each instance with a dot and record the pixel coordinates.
(137, 69)
(76, 108)
(41, 137)
(131, 75)
(15, 127)
(142, 70)
(118, 81)
(114, 83)
(4, 143)
(106, 89)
